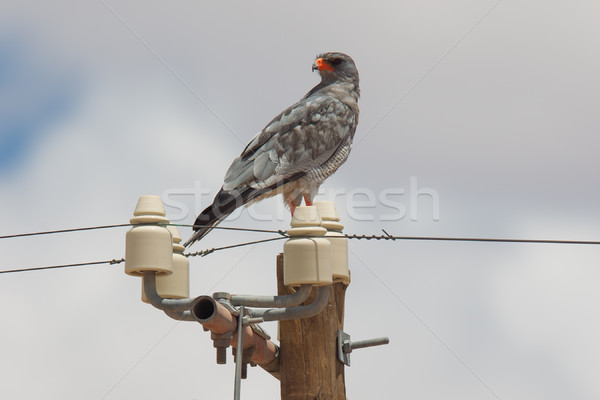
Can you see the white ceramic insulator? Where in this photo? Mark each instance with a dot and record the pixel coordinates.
(339, 243)
(176, 285)
(149, 247)
(307, 260)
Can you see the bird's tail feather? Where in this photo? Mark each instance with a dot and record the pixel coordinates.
(204, 229)
(226, 202)
(223, 205)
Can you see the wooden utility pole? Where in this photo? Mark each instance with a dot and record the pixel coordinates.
(308, 363)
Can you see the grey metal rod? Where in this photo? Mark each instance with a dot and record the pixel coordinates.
(176, 305)
(369, 342)
(279, 314)
(360, 344)
(239, 355)
(272, 301)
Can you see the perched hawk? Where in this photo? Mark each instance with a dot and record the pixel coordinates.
(297, 150)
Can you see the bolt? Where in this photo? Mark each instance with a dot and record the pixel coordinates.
(347, 347)
(221, 355)
(221, 343)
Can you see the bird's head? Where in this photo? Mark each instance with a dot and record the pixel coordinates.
(336, 66)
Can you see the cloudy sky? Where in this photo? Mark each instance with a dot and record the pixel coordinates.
(478, 119)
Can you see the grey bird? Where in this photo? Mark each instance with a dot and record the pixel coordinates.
(297, 150)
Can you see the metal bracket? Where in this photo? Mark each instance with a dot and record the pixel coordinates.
(224, 299)
(345, 346)
(343, 338)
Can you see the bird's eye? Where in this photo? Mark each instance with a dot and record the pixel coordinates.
(336, 61)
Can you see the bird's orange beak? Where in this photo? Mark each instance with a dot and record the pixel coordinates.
(322, 65)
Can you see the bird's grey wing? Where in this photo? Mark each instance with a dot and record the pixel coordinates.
(301, 138)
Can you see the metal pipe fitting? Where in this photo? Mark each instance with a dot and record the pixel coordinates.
(218, 319)
(170, 305)
(213, 315)
(279, 314)
(272, 301)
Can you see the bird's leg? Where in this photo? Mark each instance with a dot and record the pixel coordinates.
(307, 201)
(292, 206)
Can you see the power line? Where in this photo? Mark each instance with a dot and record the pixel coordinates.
(115, 261)
(111, 262)
(229, 228)
(283, 235)
(387, 236)
(89, 228)
(206, 252)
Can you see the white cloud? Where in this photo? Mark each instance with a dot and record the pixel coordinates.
(502, 129)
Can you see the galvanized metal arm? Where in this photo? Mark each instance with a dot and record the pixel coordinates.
(272, 301)
(280, 314)
(175, 308)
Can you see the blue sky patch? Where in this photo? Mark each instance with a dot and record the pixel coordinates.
(34, 95)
